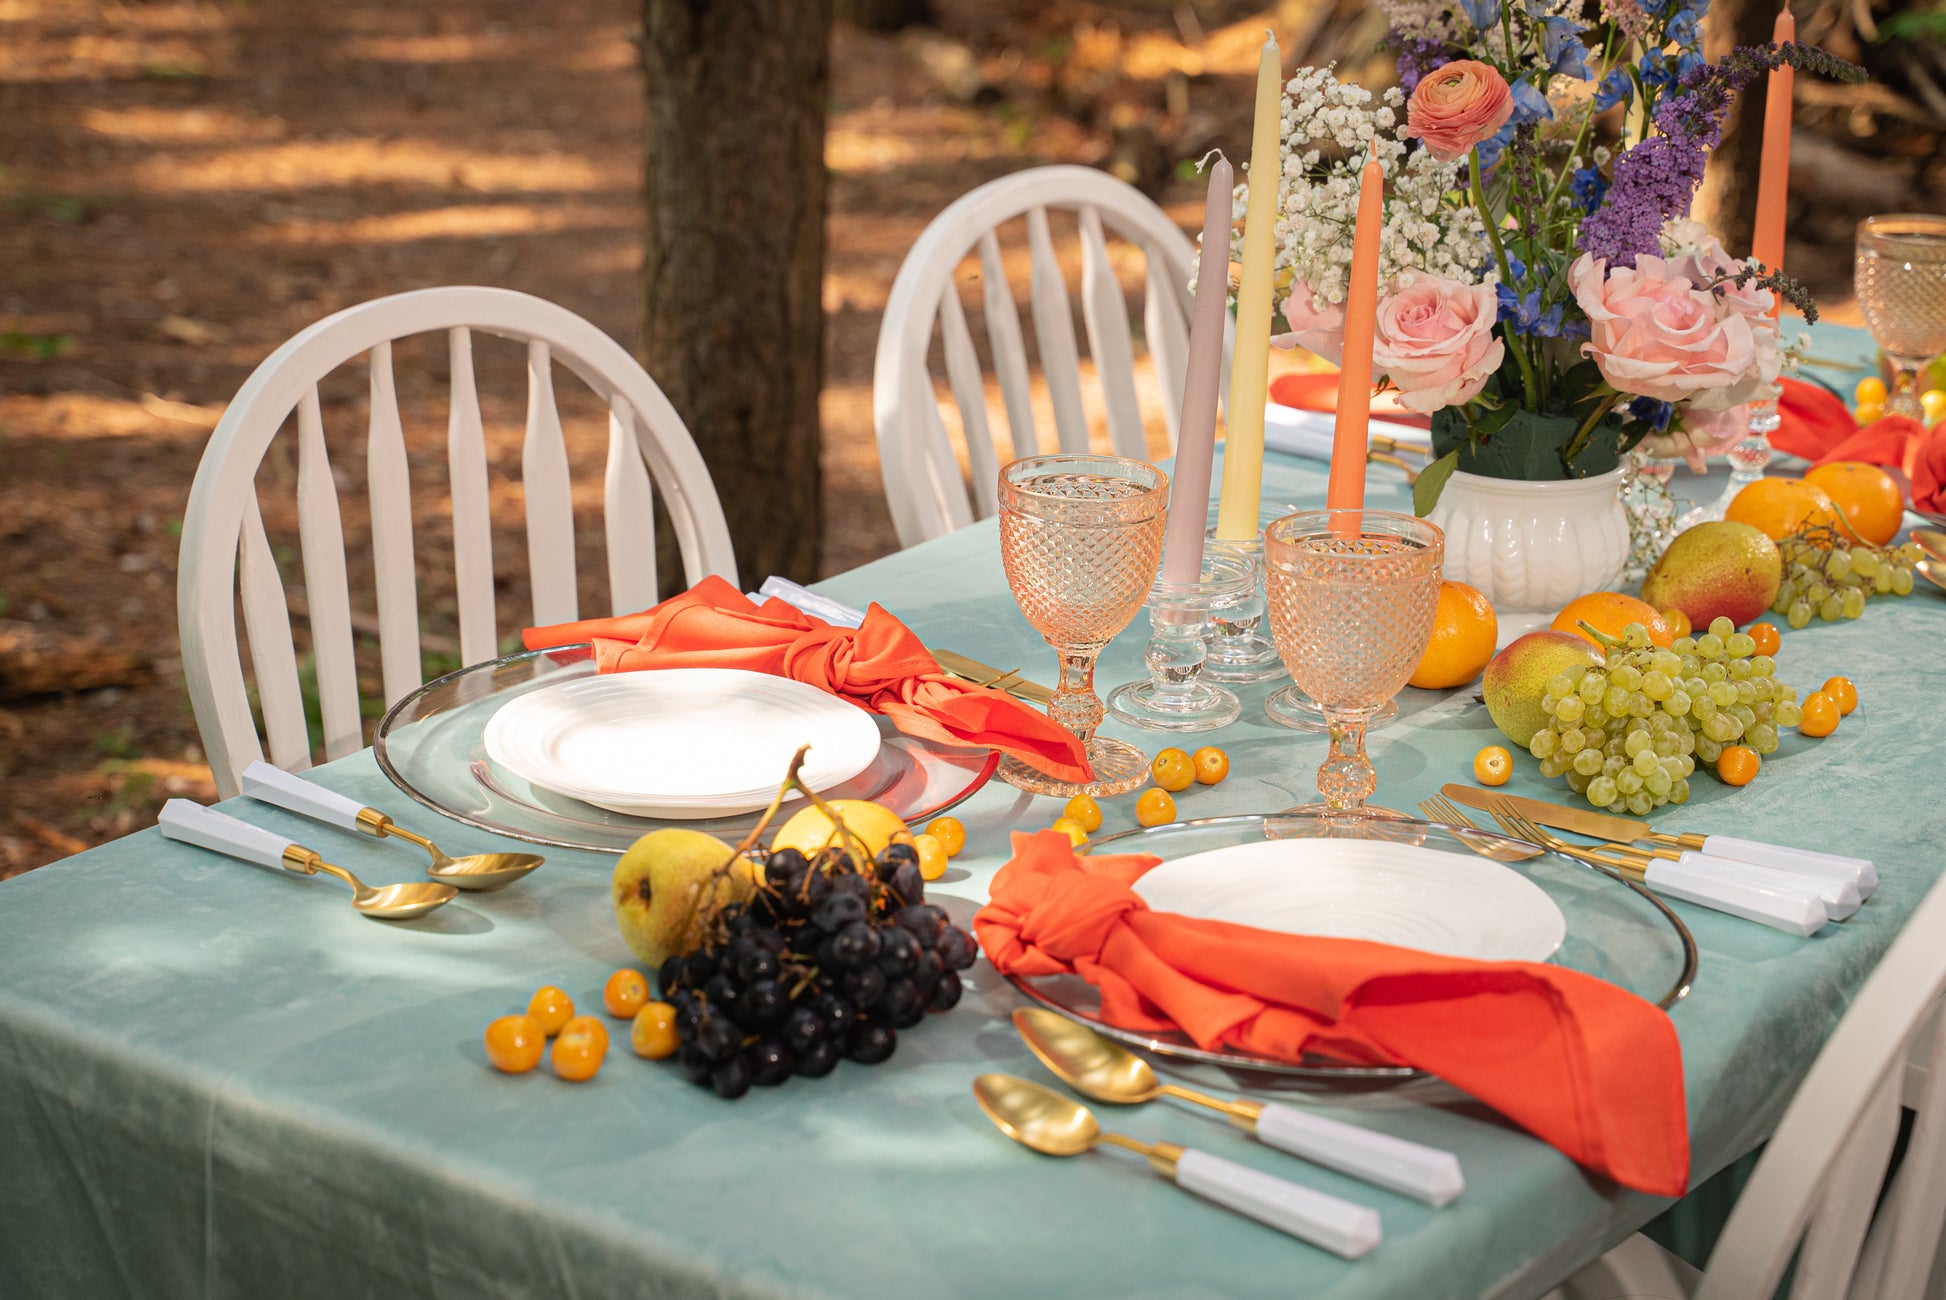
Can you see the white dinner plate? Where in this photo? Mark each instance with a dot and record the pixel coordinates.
(679, 742)
(1365, 889)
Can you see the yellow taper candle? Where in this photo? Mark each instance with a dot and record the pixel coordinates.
(1243, 439)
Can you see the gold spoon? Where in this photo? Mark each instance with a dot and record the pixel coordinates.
(1933, 571)
(1932, 542)
(1097, 1067)
(1042, 1120)
(273, 785)
(206, 828)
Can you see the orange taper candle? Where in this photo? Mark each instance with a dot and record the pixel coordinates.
(1774, 179)
(1352, 439)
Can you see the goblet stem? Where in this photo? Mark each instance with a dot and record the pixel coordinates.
(1075, 704)
(1346, 778)
(1904, 398)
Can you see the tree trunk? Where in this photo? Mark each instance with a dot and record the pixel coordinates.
(883, 15)
(1727, 202)
(733, 259)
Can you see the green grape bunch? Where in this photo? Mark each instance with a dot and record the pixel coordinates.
(1832, 576)
(1630, 734)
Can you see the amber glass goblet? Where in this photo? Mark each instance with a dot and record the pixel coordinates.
(1352, 596)
(1081, 540)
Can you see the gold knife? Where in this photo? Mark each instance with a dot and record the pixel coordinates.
(975, 671)
(1625, 830)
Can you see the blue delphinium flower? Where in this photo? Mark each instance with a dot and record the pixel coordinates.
(1588, 187)
(1483, 14)
(1682, 29)
(1530, 105)
(1688, 62)
(1656, 70)
(1522, 313)
(1615, 88)
(1562, 47)
(1651, 412)
(1491, 147)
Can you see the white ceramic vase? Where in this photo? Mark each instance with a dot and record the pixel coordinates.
(1531, 546)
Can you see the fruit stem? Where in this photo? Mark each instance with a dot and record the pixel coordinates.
(1602, 638)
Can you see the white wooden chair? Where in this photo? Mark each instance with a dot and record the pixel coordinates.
(226, 550)
(1814, 1195)
(923, 480)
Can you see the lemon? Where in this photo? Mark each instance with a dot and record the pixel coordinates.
(810, 830)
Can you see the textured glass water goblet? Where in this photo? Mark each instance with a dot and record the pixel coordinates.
(1899, 273)
(1081, 540)
(1352, 599)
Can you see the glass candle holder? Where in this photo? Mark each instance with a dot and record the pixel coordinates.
(1174, 696)
(1240, 652)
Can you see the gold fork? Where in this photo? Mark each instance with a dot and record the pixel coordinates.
(1520, 828)
(1440, 809)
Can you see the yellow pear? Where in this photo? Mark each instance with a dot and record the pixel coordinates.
(810, 830)
(661, 885)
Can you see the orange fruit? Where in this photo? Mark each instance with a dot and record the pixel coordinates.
(576, 1057)
(1820, 715)
(514, 1043)
(1155, 808)
(1679, 624)
(1493, 765)
(585, 1027)
(550, 1008)
(1765, 635)
(1071, 828)
(1778, 507)
(1085, 813)
(1842, 693)
(1464, 630)
(1610, 612)
(1212, 764)
(1873, 506)
(950, 832)
(653, 1034)
(625, 993)
(1172, 770)
(932, 855)
(1737, 765)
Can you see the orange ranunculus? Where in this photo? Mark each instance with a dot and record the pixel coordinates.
(1458, 105)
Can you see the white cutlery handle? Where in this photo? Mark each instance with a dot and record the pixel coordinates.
(1825, 866)
(1323, 1220)
(1424, 1173)
(273, 785)
(1801, 914)
(1840, 897)
(207, 828)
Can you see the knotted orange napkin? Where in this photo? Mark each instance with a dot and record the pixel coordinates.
(1319, 392)
(1588, 1067)
(880, 666)
(1815, 424)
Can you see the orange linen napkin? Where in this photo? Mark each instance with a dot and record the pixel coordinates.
(1815, 424)
(1588, 1067)
(880, 666)
(1319, 392)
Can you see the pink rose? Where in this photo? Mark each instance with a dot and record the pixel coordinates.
(1701, 259)
(1655, 334)
(1321, 331)
(1456, 106)
(1435, 342)
(1703, 435)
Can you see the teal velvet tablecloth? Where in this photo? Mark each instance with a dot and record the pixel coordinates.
(218, 1081)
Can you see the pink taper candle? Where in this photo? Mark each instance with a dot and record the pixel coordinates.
(1346, 490)
(1182, 555)
(1774, 179)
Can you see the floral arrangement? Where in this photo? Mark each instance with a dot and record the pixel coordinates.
(1542, 293)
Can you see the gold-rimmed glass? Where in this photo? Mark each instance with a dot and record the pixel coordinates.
(1352, 596)
(1081, 541)
(1899, 274)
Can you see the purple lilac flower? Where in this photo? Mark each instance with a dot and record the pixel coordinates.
(1419, 59)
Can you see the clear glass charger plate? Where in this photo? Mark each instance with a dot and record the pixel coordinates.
(430, 745)
(1616, 931)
